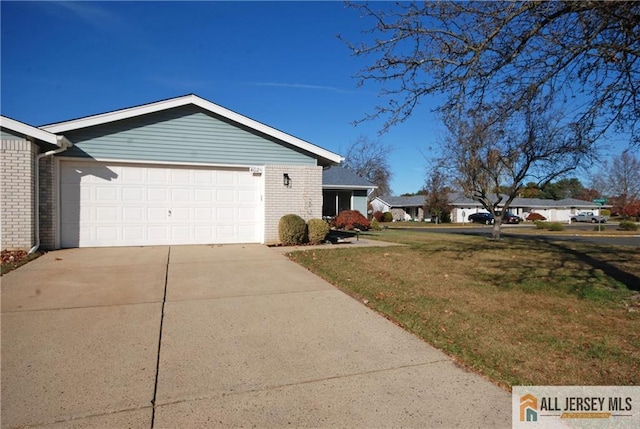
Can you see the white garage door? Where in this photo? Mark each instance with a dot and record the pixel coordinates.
(131, 205)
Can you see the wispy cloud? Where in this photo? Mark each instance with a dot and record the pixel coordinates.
(95, 15)
(303, 86)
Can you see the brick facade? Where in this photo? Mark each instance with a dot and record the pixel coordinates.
(47, 203)
(17, 198)
(303, 196)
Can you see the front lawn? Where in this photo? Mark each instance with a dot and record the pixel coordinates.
(519, 311)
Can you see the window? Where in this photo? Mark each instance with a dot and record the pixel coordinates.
(334, 202)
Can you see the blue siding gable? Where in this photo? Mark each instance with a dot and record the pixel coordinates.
(183, 134)
(6, 134)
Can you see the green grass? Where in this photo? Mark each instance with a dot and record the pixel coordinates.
(519, 311)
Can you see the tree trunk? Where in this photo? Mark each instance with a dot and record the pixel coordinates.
(495, 232)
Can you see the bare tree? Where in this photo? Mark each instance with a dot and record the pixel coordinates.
(623, 181)
(582, 55)
(370, 159)
(491, 158)
(436, 193)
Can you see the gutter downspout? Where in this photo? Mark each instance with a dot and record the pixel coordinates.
(64, 145)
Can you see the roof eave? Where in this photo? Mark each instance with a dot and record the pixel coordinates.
(33, 132)
(348, 187)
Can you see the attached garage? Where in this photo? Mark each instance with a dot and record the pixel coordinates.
(178, 171)
(131, 205)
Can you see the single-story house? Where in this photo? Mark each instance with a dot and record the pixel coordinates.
(553, 210)
(402, 208)
(412, 208)
(177, 171)
(342, 189)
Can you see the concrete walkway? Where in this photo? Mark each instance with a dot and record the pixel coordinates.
(215, 336)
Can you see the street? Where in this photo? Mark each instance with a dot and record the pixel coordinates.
(582, 232)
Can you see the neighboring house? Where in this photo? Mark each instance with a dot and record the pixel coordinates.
(553, 210)
(342, 189)
(411, 208)
(177, 171)
(402, 208)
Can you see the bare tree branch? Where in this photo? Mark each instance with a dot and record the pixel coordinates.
(580, 55)
(370, 160)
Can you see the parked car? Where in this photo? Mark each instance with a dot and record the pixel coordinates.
(509, 217)
(589, 217)
(486, 218)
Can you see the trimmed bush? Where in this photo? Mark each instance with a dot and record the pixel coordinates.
(555, 226)
(387, 217)
(351, 219)
(535, 216)
(605, 212)
(540, 224)
(292, 229)
(628, 225)
(377, 215)
(375, 225)
(318, 230)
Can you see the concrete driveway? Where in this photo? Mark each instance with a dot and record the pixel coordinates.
(216, 336)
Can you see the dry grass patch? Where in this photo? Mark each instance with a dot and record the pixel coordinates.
(518, 311)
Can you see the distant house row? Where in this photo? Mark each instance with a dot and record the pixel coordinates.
(412, 208)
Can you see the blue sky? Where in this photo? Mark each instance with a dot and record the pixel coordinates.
(280, 63)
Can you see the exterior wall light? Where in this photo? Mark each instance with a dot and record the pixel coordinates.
(286, 180)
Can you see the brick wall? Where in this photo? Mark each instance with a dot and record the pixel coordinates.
(47, 203)
(17, 160)
(302, 197)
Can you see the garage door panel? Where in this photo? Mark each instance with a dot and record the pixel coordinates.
(181, 177)
(204, 177)
(180, 214)
(225, 196)
(203, 214)
(158, 233)
(132, 232)
(246, 196)
(181, 194)
(133, 214)
(107, 214)
(133, 175)
(203, 195)
(158, 176)
(224, 214)
(157, 194)
(225, 178)
(157, 214)
(107, 232)
(248, 216)
(133, 194)
(112, 205)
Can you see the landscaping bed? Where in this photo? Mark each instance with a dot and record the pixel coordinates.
(12, 259)
(518, 311)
